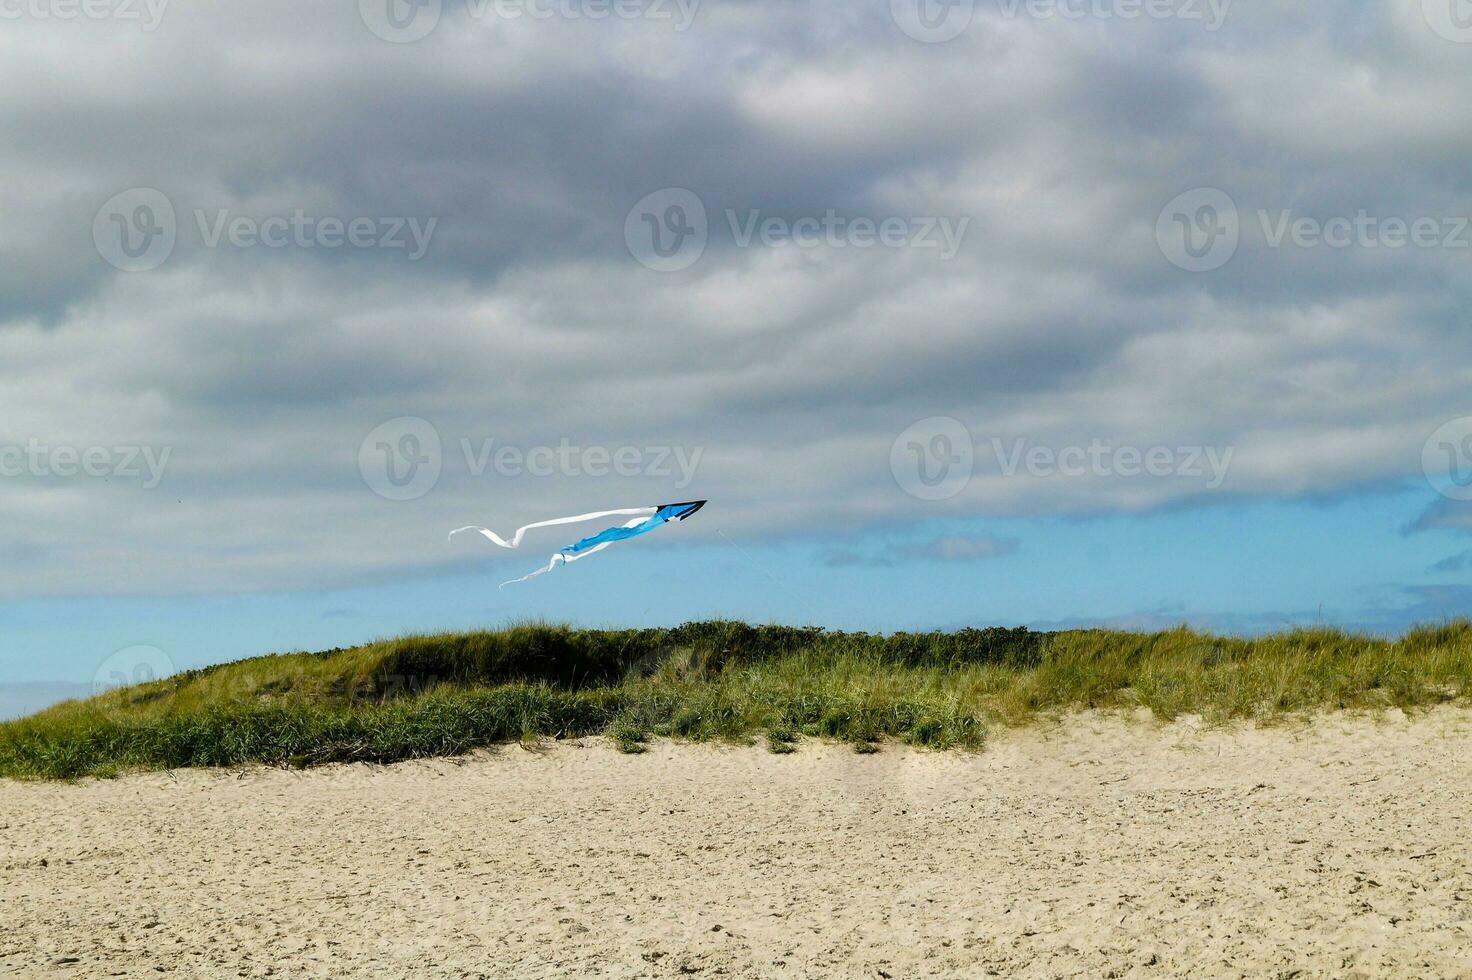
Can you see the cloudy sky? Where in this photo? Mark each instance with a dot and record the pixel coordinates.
(1013, 311)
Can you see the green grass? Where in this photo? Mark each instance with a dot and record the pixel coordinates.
(444, 695)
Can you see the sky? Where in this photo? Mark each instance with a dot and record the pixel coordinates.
(1023, 312)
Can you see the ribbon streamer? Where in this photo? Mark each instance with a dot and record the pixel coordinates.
(646, 519)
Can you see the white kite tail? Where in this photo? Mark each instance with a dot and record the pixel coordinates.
(561, 559)
(515, 541)
(641, 514)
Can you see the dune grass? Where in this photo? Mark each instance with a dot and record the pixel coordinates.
(444, 695)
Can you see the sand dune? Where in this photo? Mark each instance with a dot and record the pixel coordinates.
(1101, 847)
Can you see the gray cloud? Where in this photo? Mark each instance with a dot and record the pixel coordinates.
(1443, 514)
(794, 369)
(1453, 563)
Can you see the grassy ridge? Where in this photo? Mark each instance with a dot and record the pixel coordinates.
(441, 695)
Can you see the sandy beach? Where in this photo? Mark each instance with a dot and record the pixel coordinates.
(1097, 847)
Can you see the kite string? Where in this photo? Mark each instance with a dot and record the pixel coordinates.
(761, 567)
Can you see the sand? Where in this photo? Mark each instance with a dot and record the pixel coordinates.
(1100, 847)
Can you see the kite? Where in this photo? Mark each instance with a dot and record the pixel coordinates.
(645, 519)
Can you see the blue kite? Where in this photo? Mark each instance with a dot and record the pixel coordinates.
(646, 519)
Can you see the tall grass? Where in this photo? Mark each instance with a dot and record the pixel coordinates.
(443, 695)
